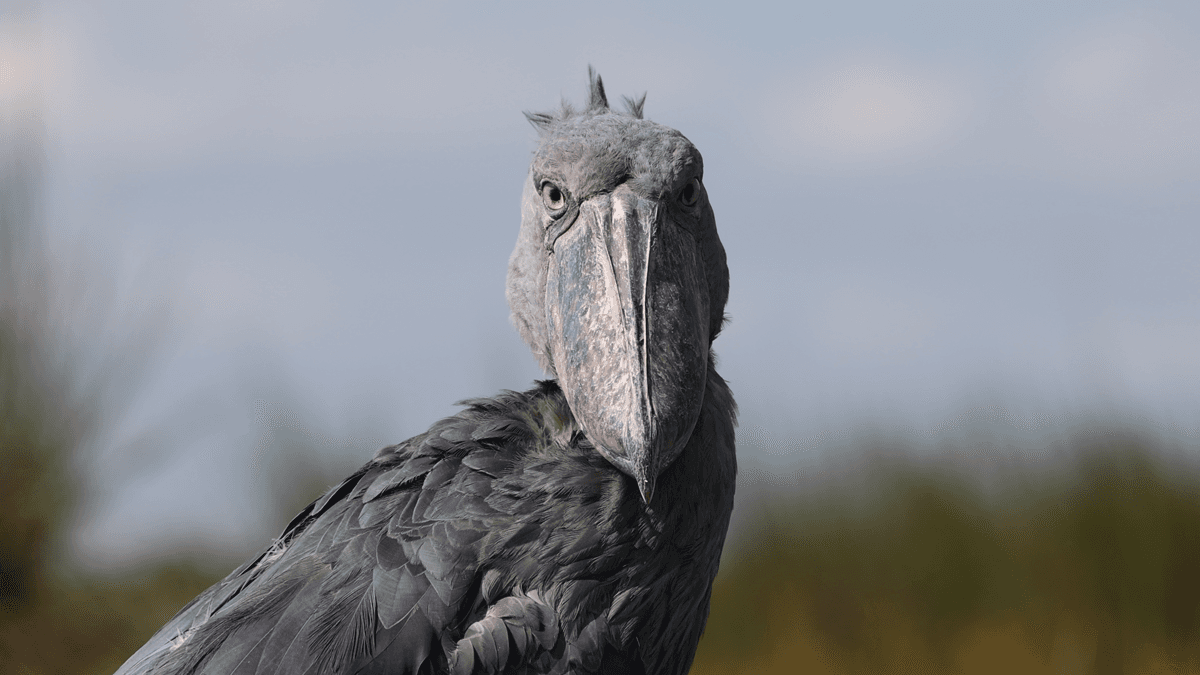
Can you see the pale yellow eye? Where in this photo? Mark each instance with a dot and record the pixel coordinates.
(553, 197)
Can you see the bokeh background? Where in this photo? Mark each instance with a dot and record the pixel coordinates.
(243, 244)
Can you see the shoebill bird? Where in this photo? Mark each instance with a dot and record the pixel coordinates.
(572, 528)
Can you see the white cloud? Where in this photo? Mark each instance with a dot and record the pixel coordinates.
(871, 110)
(18, 65)
(1120, 101)
(25, 65)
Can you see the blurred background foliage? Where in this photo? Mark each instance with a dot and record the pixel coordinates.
(890, 558)
(69, 361)
(71, 358)
(1080, 561)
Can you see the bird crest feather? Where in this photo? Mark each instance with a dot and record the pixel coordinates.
(597, 104)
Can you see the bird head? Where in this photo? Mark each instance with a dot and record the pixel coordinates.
(618, 281)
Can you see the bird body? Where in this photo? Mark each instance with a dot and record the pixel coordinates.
(573, 528)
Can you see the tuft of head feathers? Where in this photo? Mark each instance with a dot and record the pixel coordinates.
(597, 105)
(635, 105)
(597, 101)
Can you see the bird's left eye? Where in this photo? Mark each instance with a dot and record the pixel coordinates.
(553, 198)
(691, 193)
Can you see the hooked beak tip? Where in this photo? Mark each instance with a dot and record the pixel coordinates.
(646, 488)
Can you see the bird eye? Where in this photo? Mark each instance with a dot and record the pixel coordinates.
(554, 199)
(691, 193)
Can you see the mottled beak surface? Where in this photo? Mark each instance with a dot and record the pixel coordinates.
(629, 322)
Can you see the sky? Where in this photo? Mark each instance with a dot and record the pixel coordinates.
(935, 213)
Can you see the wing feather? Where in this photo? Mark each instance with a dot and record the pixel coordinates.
(367, 571)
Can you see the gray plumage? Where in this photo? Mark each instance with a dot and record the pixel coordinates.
(575, 527)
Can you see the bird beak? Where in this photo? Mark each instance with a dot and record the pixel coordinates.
(627, 304)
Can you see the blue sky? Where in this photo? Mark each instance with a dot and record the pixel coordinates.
(929, 209)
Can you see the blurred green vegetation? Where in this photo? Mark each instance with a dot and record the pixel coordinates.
(1082, 561)
(67, 366)
(71, 361)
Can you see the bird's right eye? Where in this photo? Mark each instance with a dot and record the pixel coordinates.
(554, 199)
(691, 193)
